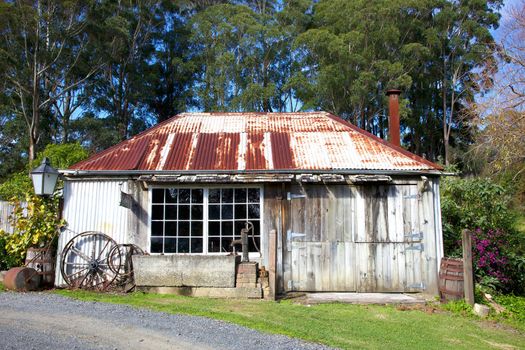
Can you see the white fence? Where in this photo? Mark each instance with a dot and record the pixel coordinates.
(5, 211)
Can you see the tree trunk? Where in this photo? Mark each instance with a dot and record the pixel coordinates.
(445, 125)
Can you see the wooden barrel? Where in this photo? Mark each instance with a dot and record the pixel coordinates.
(451, 279)
(22, 279)
(43, 261)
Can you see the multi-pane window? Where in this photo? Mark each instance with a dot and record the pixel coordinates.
(203, 220)
(177, 220)
(228, 211)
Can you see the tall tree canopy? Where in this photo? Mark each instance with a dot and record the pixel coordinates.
(98, 72)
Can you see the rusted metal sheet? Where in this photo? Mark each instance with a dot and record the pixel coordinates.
(255, 141)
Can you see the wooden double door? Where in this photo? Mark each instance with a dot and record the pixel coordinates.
(366, 238)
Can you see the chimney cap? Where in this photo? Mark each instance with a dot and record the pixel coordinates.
(393, 92)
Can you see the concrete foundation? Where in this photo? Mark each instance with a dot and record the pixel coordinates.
(213, 271)
(227, 293)
(365, 298)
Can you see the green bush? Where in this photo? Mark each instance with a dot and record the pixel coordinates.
(459, 307)
(34, 224)
(515, 306)
(473, 204)
(7, 261)
(38, 222)
(484, 207)
(18, 185)
(62, 156)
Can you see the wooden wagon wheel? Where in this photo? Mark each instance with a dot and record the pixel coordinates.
(86, 261)
(125, 277)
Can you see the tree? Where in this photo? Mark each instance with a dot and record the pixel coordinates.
(501, 114)
(42, 45)
(244, 55)
(172, 69)
(465, 49)
(352, 57)
(435, 51)
(125, 37)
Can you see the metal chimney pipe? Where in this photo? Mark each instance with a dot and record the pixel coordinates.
(393, 116)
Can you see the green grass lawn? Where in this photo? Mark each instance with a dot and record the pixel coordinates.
(339, 325)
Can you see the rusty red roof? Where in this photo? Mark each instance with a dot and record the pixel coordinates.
(312, 141)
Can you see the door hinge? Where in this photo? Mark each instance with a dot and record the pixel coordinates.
(291, 196)
(291, 235)
(412, 196)
(414, 236)
(419, 285)
(418, 246)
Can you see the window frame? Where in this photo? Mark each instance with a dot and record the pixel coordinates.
(205, 215)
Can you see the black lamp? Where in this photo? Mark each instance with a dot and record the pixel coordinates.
(44, 178)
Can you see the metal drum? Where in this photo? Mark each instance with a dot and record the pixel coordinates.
(22, 279)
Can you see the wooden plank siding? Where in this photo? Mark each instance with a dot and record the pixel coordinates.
(341, 237)
(367, 238)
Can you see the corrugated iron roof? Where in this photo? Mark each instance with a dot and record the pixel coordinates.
(255, 141)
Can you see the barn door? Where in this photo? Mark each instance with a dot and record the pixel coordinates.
(319, 244)
(389, 244)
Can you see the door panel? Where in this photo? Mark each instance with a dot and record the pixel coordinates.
(341, 238)
(323, 266)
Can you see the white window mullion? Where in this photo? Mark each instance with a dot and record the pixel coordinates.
(205, 221)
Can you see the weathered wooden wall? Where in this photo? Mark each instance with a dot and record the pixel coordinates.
(373, 237)
(330, 237)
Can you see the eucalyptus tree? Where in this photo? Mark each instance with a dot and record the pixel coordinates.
(125, 38)
(244, 54)
(439, 52)
(41, 48)
(352, 57)
(464, 54)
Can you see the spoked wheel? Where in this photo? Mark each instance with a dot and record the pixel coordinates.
(87, 259)
(125, 277)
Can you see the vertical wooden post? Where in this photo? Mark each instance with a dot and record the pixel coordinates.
(272, 263)
(468, 274)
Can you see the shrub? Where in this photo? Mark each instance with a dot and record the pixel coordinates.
(61, 156)
(458, 307)
(33, 224)
(472, 204)
(484, 207)
(515, 305)
(7, 261)
(490, 261)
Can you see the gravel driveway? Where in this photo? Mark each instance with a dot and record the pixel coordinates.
(49, 321)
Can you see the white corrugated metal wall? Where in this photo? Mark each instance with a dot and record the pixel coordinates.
(92, 206)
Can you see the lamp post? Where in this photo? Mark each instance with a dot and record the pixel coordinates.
(44, 178)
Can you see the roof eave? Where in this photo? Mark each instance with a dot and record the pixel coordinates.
(132, 173)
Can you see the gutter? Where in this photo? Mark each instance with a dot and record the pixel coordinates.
(132, 173)
(100, 174)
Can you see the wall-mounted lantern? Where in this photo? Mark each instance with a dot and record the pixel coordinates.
(44, 178)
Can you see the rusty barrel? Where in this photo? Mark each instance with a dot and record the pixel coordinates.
(451, 279)
(22, 279)
(43, 261)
